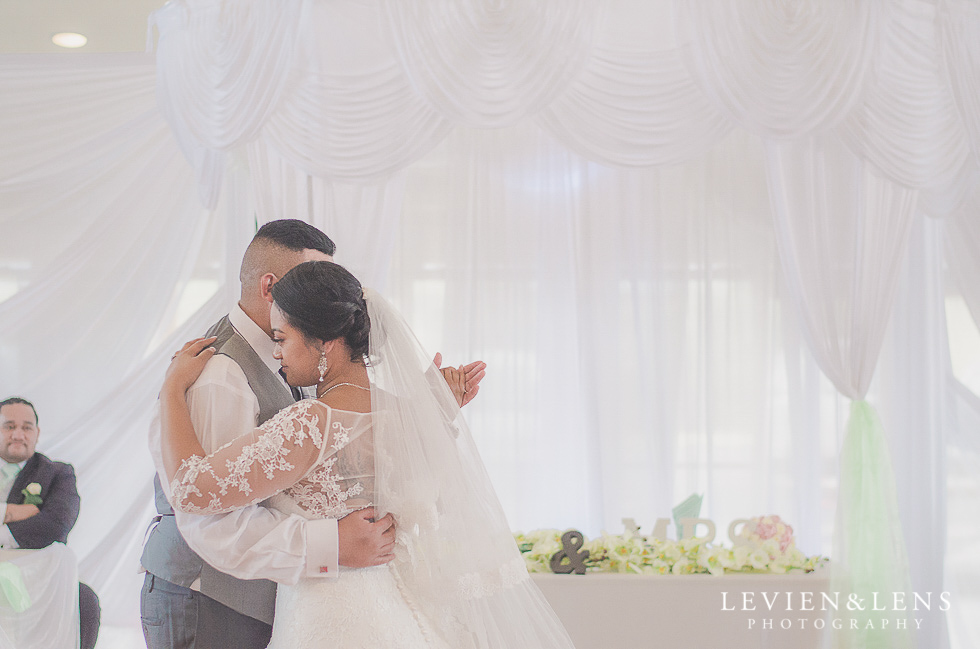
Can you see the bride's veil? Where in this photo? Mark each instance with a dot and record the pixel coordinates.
(457, 561)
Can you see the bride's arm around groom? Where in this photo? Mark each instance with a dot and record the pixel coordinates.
(206, 575)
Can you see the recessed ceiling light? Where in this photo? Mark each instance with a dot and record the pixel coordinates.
(69, 39)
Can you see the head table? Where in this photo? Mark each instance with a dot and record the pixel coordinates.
(613, 611)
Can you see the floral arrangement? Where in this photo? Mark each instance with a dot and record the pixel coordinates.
(769, 548)
(764, 528)
(32, 494)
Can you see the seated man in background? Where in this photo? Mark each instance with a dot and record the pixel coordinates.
(29, 476)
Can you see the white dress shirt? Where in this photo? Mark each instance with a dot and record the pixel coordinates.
(7, 539)
(255, 542)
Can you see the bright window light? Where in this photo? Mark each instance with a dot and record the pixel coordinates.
(69, 39)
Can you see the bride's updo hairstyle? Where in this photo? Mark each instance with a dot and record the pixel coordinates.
(324, 301)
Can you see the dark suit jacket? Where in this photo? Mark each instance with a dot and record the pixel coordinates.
(59, 506)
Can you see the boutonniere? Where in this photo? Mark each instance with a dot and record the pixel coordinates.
(32, 494)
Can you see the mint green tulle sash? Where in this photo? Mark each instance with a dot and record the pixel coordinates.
(869, 538)
(12, 587)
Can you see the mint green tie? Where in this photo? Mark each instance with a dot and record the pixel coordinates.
(9, 472)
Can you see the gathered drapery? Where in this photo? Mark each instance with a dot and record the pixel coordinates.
(958, 22)
(108, 261)
(365, 88)
(490, 64)
(782, 69)
(630, 109)
(915, 391)
(203, 93)
(842, 234)
(961, 241)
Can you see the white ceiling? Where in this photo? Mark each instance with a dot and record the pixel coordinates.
(110, 25)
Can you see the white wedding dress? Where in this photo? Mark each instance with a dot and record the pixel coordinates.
(327, 455)
(363, 608)
(458, 580)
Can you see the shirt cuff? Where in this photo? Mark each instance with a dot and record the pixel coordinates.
(7, 540)
(322, 548)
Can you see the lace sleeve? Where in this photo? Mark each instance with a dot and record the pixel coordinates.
(253, 467)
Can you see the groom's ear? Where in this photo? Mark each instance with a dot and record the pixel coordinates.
(265, 286)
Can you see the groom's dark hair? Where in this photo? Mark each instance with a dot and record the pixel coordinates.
(297, 236)
(22, 401)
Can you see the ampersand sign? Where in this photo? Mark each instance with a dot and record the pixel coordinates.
(571, 542)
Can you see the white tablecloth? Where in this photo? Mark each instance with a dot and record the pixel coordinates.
(608, 611)
(51, 620)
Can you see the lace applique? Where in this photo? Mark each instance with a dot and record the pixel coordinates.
(474, 585)
(321, 493)
(182, 491)
(293, 425)
(341, 435)
(193, 466)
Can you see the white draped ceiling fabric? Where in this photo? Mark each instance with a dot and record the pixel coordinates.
(561, 178)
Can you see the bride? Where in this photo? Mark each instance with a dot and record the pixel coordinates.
(384, 431)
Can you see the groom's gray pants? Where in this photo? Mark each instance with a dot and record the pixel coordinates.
(175, 617)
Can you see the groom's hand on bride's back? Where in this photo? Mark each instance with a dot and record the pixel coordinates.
(365, 542)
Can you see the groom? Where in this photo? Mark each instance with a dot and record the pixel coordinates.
(188, 597)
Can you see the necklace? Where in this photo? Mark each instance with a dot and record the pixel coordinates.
(337, 385)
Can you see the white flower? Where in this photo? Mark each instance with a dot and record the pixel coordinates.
(770, 546)
(670, 552)
(740, 556)
(759, 559)
(660, 567)
(34, 489)
(622, 553)
(779, 566)
(795, 557)
(683, 566)
(715, 560)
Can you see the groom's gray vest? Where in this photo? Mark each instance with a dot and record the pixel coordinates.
(166, 554)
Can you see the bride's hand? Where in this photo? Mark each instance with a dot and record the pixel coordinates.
(456, 378)
(187, 364)
(473, 373)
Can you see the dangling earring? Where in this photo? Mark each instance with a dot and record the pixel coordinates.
(322, 365)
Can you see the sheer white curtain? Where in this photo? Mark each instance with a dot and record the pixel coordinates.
(842, 235)
(961, 236)
(105, 250)
(634, 326)
(961, 241)
(912, 392)
(362, 217)
(842, 232)
(610, 195)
